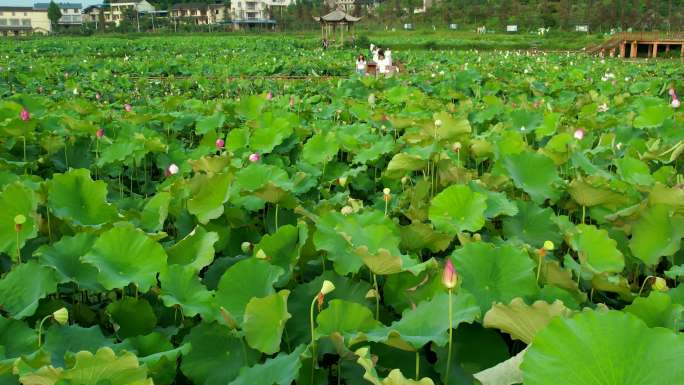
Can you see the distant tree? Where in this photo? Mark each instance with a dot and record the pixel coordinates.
(54, 14)
(101, 20)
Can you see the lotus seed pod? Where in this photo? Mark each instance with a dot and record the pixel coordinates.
(548, 246)
(261, 254)
(660, 284)
(342, 181)
(386, 191)
(61, 316)
(327, 287)
(246, 246)
(371, 294)
(346, 210)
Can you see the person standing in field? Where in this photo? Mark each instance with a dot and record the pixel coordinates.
(361, 65)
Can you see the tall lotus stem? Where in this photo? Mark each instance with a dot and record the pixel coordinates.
(386, 196)
(326, 288)
(451, 337)
(417, 365)
(19, 221)
(61, 316)
(449, 280)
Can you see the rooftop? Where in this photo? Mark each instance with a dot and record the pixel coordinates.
(337, 16)
(190, 6)
(61, 5)
(17, 9)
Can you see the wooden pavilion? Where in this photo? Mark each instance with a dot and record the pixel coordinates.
(335, 21)
(642, 44)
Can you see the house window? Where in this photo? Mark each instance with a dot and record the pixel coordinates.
(13, 14)
(3, 22)
(14, 22)
(25, 13)
(26, 22)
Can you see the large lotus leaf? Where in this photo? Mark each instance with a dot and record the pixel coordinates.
(24, 286)
(320, 148)
(597, 251)
(299, 302)
(271, 132)
(181, 286)
(418, 236)
(534, 173)
(458, 209)
(65, 257)
(588, 194)
(604, 348)
(532, 224)
(72, 338)
(505, 373)
(451, 128)
(76, 198)
(215, 357)
(157, 353)
(497, 202)
(243, 281)
(257, 176)
(281, 247)
(196, 250)
(16, 338)
(406, 289)
(209, 195)
(209, 123)
(16, 199)
(658, 310)
(427, 322)
(105, 367)
(495, 274)
(634, 171)
(521, 320)
(395, 377)
(349, 319)
(652, 116)
(154, 214)
(340, 235)
(125, 255)
(132, 317)
(264, 321)
(251, 106)
(656, 234)
(405, 162)
(280, 370)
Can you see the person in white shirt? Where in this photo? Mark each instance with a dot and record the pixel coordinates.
(361, 65)
(383, 67)
(388, 57)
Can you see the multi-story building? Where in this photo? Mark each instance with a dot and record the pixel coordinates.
(200, 13)
(91, 14)
(115, 12)
(17, 21)
(71, 13)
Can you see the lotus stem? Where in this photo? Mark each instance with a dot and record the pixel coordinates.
(644, 284)
(40, 329)
(313, 339)
(451, 335)
(417, 365)
(539, 266)
(377, 297)
(584, 213)
(276, 217)
(18, 248)
(47, 210)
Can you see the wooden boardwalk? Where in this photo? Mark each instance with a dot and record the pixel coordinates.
(642, 44)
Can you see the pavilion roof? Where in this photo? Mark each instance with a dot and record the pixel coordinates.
(337, 16)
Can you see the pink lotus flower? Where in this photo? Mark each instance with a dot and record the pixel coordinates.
(220, 143)
(269, 95)
(25, 116)
(128, 107)
(98, 96)
(675, 103)
(100, 132)
(449, 275)
(579, 134)
(254, 157)
(672, 92)
(172, 169)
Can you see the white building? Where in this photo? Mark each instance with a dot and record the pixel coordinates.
(18, 21)
(117, 7)
(71, 12)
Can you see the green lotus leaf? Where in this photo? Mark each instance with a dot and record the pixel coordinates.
(76, 198)
(588, 194)
(153, 215)
(451, 128)
(280, 370)
(418, 236)
(656, 234)
(209, 195)
(64, 256)
(251, 106)
(457, 208)
(125, 255)
(17, 200)
(216, 356)
(349, 319)
(105, 367)
(497, 203)
(247, 279)
(634, 171)
(320, 148)
(653, 116)
(523, 321)
(258, 176)
(181, 286)
(658, 310)
(597, 251)
(196, 250)
(210, 123)
(264, 321)
(406, 163)
(535, 174)
(394, 377)
(428, 322)
(608, 348)
(132, 317)
(532, 224)
(73, 338)
(505, 373)
(271, 132)
(157, 353)
(281, 247)
(16, 338)
(406, 289)
(495, 274)
(24, 286)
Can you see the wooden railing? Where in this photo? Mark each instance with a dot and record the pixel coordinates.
(647, 36)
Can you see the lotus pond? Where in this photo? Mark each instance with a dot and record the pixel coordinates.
(172, 213)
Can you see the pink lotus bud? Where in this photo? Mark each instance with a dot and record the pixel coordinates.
(672, 92)
(172, 169)
(128, 107)
(100, 132)
(269, 95)
(579, 134)
(25, 116)
(98, 96)
(220, 143)
(675, 103)
(292, 101)
(449, 275)
(254, 157)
